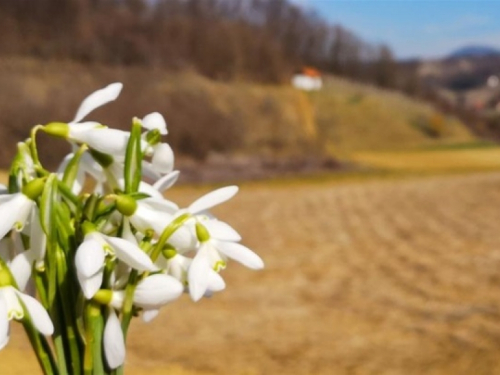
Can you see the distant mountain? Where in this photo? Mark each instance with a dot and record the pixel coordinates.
(474, 51)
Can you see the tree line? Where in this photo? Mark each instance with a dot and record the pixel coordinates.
(261, 40)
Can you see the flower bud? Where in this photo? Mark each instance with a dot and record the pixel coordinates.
(103, 296)
(126, 205)
(169, 253)
(6, 278)
(202, 233)
(57, 129)
(88, 227)
(34, 189)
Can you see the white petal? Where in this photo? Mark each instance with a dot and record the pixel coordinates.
(153, 213)
(150, 190)
(157, 290)
(213, 199)
(178, 266)
(97, 99)
(148, 172)
(215, 282)
(166, 181)
(105, 140)
(221, 231)
(127, 232)
(90, 285)
(4, 324)
(160, 205)
(131, 254)
(149, 315)
(155, 121)
(163, 158)
(198, 274)
(114, 343)
(14, 308)
(240, 254)
(183, 239)
(90, 166)
(117, 299)
(38, 238)
(21, 268)
(39, 316)
(89, 257)
(14, 211)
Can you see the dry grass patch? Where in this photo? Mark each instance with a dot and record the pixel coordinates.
(432, 161)
(353, 117)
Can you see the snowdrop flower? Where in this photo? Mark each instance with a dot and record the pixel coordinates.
(16, 208)
(155, 121)
(212, 255)
(15, 305)
(212, 199)
(160, 183)
(90, 103)
(155, 214)
(38, 239)
(90, 257)
(162, 161)
(11, 308)
(97, 99)
(19, 262)
(177, 266)
(166, 181)
(163, 158)
(95, 135)
(151, 294)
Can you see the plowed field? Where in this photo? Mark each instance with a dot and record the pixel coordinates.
(392, 277)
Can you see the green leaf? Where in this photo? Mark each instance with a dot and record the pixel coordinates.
(133, 160)
(48, 201)
(48, 220)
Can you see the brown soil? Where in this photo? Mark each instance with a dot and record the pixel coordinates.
(393, 277)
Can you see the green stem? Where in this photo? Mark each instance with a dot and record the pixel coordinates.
(41, 348)
(67, 301)
(167, 232)
(93, 362)
(58, 342)
(33, 148)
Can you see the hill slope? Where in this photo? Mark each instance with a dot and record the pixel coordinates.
(352, 117)
(206, 117)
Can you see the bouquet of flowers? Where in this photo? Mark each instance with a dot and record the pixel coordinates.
(85, 249)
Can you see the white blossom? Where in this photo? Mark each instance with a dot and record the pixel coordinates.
(91, 254)
(14, 212)
(11, 307)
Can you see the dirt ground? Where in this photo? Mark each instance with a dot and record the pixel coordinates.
(389, 277)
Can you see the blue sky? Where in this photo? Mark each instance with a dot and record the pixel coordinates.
(417, 28)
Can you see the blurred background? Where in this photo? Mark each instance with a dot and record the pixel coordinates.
(365, 136)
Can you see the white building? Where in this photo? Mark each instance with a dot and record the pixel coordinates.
(309, 80)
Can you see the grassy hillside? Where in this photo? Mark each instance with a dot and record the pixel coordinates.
(207, 117)
(352, 117)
